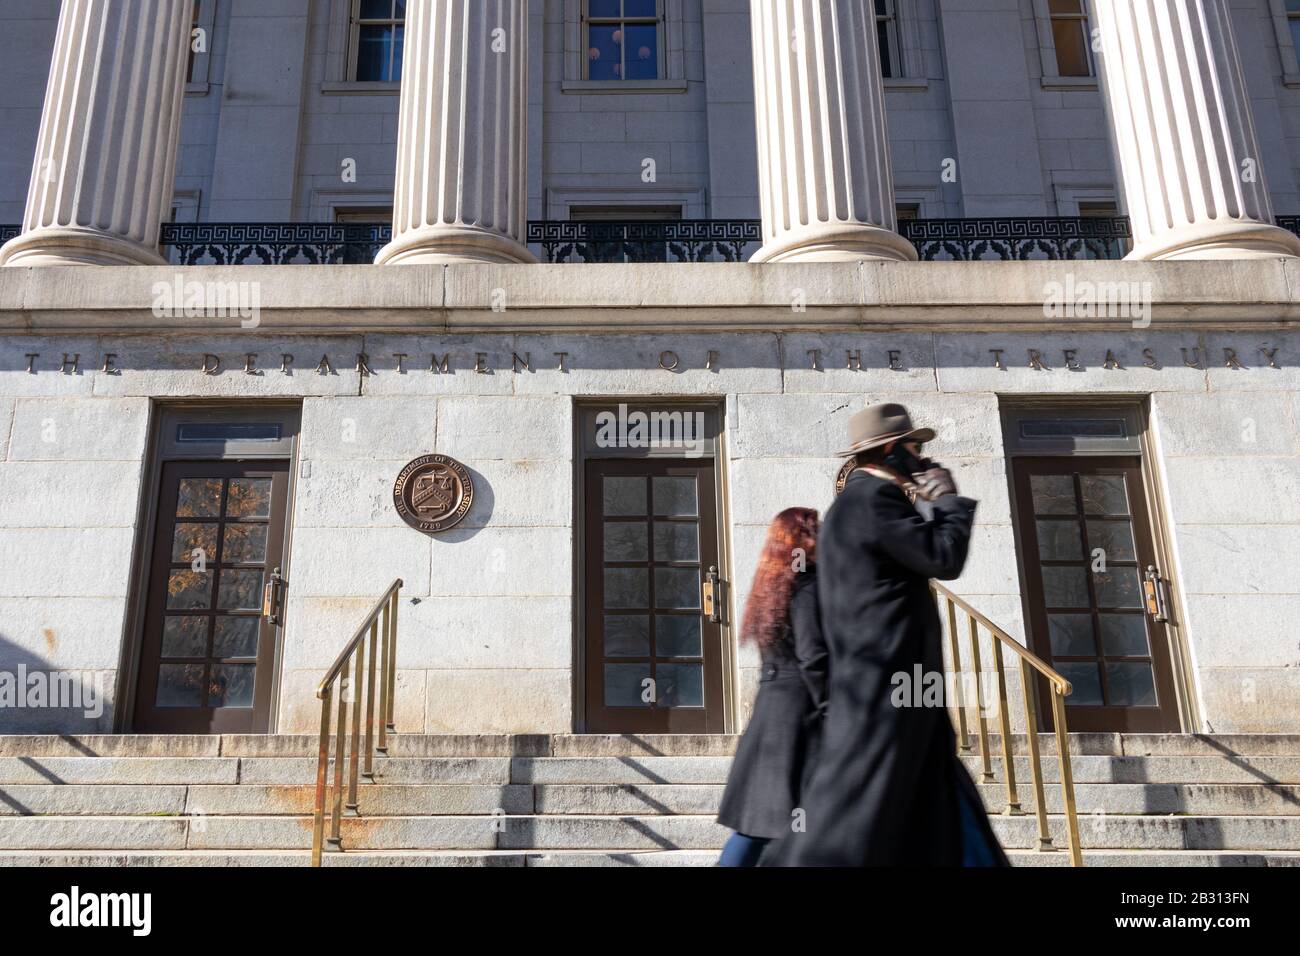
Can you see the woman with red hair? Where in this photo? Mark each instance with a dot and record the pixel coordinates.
(773, 757)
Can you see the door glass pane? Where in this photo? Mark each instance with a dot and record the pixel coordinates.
(241, 590)
(675, 496)
(179, 685)
(188, 538)
(1118, 587)
(677, 636)
(189, 590)
(1086, 680)
(681, 685)
(1052, 494)
(627, 587)
(676, 541)
(677, 587)
(1104, 494)
(627, 635)
(625, 541)
(1124, 635)
(231, 685)
(185, 636)
(1059, 540)
(1130, 684)
(624, 496)
(249, 498)
(244, 544)
(1065, 587)
(1071, 635)
(623, 684)
(199, 498)
(1115, 538)
(236, 637)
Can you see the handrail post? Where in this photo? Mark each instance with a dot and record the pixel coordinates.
(340, 739)
(369, 771)
(963, 742)
(383, 686)
(1035, 763)
(987, 775)
(354, 749)
(1004, 725)
(322, 776)
(1067, 778)
(392, 673)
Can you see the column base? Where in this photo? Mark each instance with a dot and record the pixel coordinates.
(76, 246)
(433, 245)
(846, 242)
(1231, 239)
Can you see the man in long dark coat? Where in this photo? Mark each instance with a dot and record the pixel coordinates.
(888, 789)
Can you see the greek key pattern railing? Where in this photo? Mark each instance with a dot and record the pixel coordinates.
(273, 243)
(676, 240)
(1048, 237)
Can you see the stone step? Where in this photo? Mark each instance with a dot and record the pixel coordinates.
(596, 745)
(575, 832)
(585, 858)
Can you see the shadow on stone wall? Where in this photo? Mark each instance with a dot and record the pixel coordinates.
(37, 698)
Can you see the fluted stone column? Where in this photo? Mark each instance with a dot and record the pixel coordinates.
(1185, 141)
(825, 184)
(106, 151)
(462, 145)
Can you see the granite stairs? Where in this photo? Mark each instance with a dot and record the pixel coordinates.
(589, 800)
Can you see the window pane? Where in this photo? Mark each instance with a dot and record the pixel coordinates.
(1104, 495)
(642, 53)
(199, 498)
(398, 44)
(244, 544)
(681, 685)
(1086, 681)
(249, 498)
(1115, 538)
(886, 53)
(240, 590)
(1065, 587)
(189, 538)
(640, 8)
(236, 637)
(627, 587)
(372, 54)
(1071, 39)
(376, 9)
(1130, 684)
(675, 497)
(179, 685)
(676, 541)
(677, 636)
(231, 685)
(677, 587)
(1059, 541)
(627, 635)
(624, 496)
(1118, 587)
(1053, 494)
(625, 541)
(1071, 635)
(623, 684)
(185, 637)
(189, 590)
(1124, 635)
(1295, 29)
(1066, 6)
(603, 54)
(603, 8)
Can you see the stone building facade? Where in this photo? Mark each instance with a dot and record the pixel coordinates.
(1146, 408)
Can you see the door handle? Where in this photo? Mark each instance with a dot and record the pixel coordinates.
(1155, 591)
(712, 598)
(273, 598)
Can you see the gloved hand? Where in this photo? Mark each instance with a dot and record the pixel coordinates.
(935, 483)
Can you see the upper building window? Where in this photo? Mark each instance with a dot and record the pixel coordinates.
(887, 34)
(1293, 21)
(1072, 38)
(377, 28)
(624, 39)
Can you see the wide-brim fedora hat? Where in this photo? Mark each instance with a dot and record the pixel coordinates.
(878, 425)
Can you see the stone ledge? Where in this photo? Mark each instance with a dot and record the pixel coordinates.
(878, 296)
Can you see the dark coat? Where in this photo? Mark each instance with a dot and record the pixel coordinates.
(780, 743)
(886, 786)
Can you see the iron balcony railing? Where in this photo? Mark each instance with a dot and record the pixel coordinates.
(683, 240)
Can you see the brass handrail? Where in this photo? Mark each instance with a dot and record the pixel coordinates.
(1059, 688)
(384, 614)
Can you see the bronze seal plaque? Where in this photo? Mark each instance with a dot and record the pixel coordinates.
(433, 493)
(842, 478)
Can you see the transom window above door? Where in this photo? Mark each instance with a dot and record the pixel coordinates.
(623, 39)
(378, 28)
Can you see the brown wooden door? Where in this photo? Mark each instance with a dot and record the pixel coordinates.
(653, 657)
(1085, 535)
(208, 658)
